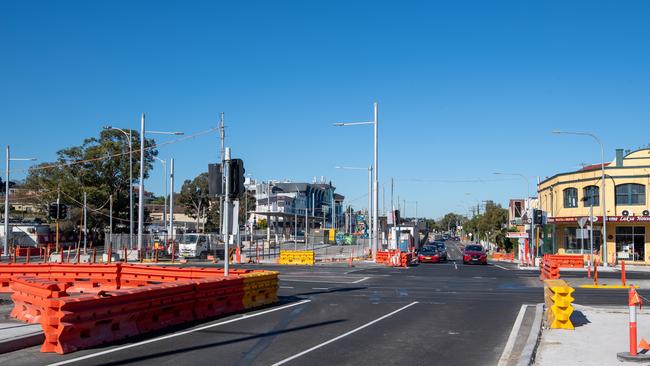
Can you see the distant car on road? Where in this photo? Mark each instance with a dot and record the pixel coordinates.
(474, 253)
(446, 237)
(442, 250)
(429, 254)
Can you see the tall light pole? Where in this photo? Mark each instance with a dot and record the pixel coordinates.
(370, 211)
(141, 185)
(375, 188)
(129, 136)
(164, 164)
(602, 172)
(6, 236)
(533, 237)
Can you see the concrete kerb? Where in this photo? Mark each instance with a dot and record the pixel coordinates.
(527, 357)
(15, 336)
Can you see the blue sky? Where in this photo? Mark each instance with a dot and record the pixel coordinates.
(464, 88)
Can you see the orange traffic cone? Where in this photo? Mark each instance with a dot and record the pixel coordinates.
(644, 344)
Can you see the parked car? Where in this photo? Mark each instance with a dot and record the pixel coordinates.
(429, 254)
(474, 253)
(442, 250)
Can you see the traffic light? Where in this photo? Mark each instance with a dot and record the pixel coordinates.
(215, 180)
(63, 211)
(53, 210)
(235, 177)
(538, 217)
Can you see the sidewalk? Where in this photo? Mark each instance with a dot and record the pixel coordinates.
(14, 334)
(600, 333)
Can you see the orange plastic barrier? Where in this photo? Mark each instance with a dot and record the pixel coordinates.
(503, 256)
(84, 305)
(566, 261)
(548, 269)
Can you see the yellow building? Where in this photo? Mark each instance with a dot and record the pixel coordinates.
(567, 197)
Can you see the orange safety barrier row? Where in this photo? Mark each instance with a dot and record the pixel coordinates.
(84, 305)
(503, 256)
(548, 270)
(387, 257)
(566, 261)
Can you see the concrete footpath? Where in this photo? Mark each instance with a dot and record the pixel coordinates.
(600, 333)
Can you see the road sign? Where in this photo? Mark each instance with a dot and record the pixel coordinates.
(582, 221)
(516, 235)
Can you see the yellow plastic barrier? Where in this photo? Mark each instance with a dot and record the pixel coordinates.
(558, 299)
(297, 257)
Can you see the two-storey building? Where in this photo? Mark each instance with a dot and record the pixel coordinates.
(568, 197)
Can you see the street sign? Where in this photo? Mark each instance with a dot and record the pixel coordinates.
(582, 221)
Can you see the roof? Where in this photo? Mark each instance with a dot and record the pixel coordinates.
(592, 167)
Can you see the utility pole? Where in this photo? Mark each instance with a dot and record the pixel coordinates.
(110, 220)
(85, 223)
(171, 199)
(141, 189)
(226, 217)
(222, 137)
(58, 210)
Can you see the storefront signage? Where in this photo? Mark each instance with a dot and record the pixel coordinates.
(628, 218)
(572, 219)
(515, 235)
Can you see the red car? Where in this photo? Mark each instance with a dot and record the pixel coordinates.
(429, 254)
(474, 253)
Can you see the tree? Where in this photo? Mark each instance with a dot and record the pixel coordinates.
(99, 167)
(194, 196)
(492, 224)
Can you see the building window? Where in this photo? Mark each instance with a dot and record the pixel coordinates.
(577, 243)
(630, 194)
(630, 242)
(570, 197)
(591, 196)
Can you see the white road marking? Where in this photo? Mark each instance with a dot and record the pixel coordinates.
(320, 288)
(286, 286)
(455, 265)
(361, 280)
(343, 335)
(507, 350)
(173, 335)
(502, 267)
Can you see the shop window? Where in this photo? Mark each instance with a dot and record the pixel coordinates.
(630, 242)
(570, 197)
(630, 194)
(575, 245)
(591, 196)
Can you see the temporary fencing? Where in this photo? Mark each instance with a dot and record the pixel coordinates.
(558, 299)
(84, 305)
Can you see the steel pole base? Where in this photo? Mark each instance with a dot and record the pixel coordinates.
(627, 357)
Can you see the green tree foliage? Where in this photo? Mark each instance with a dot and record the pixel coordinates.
(99, 167)
(492, 224)
(450, 221)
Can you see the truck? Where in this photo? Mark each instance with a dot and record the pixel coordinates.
(199, 246)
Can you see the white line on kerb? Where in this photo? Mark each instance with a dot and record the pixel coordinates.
(343, 335)
(173, 335)
(507, 350)
(361, 280)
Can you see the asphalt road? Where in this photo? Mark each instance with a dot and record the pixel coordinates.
(431, 314)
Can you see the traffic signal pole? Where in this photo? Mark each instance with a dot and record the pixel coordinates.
(226, 216)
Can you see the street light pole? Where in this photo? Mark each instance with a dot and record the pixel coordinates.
(602, 172)
(375, 187)
(129, 136)
(141, 189)
(164, 164)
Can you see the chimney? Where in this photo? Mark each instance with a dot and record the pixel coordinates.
(619, 157)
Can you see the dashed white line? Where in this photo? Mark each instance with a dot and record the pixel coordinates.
(342, 335)
(502, 267)
(173, 335)
(286, 287)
